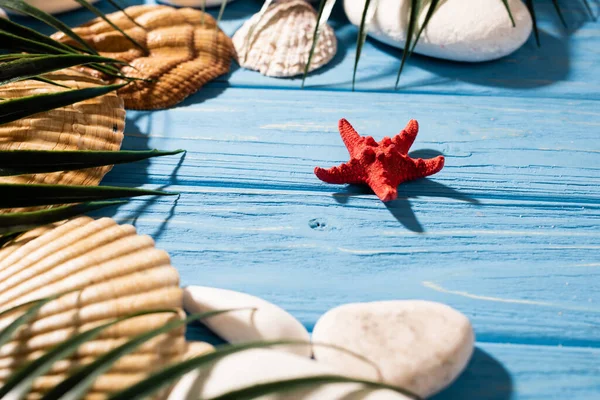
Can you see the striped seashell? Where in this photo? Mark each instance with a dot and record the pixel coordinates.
(108, 271)
(186, 50)
(95, 124)
(278, 43)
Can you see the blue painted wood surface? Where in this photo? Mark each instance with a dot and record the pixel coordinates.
(508, 232)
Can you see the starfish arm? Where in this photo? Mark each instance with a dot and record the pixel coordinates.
(384, 191)
(406, 138)
(349, 172)
(351, 138)
(428, 166)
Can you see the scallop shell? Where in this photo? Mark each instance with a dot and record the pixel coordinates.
(109, 271)
(95, 124)
(278, 43)
(187, 50)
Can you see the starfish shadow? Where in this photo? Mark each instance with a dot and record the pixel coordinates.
(401, 208)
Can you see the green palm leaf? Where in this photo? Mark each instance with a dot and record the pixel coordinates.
(286, 385)
(14, 109)
(155, 382)
(76, 385)
(24, 8)
(20, 162)
(28, 67)
(19, 383)
(505, 2)
(120, 8)
(415, 8)
(362, 36)
(12, 42)
(33, 307)
(432, 7)
(16, 222)
(559, 12)
(27, 33)
(48, 81)
(31, 195)
(325, 8)
(100, 14)
(531, 9)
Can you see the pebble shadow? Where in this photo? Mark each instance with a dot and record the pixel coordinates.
(485, 378)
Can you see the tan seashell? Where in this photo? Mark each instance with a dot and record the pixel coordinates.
(187, 50)
(280, 41)
(109, 271)
(95, 124)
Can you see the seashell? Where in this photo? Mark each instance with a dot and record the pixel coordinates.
(186, 50)
(108, 271)
(95, 124)
(278, 43)
(56, 6)
(195, 3)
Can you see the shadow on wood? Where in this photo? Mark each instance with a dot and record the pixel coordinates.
(485, 378)
(401, 208)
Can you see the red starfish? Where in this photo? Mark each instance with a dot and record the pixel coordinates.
(384, 165)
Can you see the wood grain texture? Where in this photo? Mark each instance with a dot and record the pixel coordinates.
(508, 232)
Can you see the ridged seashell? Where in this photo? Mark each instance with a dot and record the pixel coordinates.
(55, 6)
(187, 50)
(95, 124)
(114, 272)
(278, 43)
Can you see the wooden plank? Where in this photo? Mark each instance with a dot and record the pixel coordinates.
(507, 232)
(503, 372)
(561, 68)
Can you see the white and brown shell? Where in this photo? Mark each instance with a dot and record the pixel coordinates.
(278, 43)
(95, 124)
(109, 271)
(186, 50)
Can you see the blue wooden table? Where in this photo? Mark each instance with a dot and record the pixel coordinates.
(508, 232)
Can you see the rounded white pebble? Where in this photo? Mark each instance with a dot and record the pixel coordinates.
(460, 30)
(257, 366)
(417, 345)
(3, 14)
(266, 322)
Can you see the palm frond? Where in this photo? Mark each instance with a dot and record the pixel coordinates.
(362, 35)
(101, 15)
(29, 67)
(20, 162)
(120, 8)
(512, 19)
(287, 385)
(432, 7)
(325, 9)
(32, 195)
(32, 307)
(15, 109)
(76, 385)
(536, 32)
(49, 81)
(19, 383)
(415, 8)
(221, 12)
(261, 12)
(11, 27)
(16, 222)
(559, 12)
(24, 8)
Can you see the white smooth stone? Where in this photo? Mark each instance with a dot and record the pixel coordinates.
(257, 366)
(55, 6)
(417, 345)
(195, 3)
(267, 322)
(460, 30)
(3, 14)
